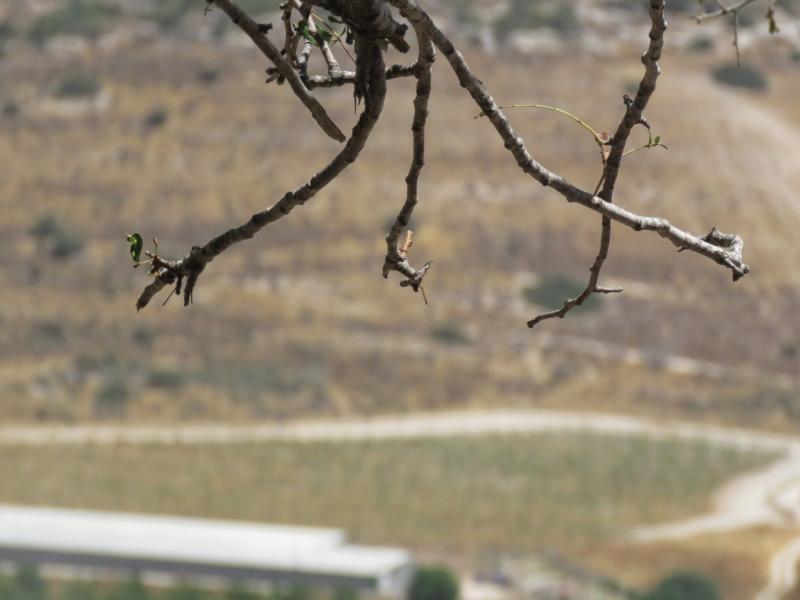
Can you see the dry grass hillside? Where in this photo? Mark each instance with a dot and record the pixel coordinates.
(162, 133)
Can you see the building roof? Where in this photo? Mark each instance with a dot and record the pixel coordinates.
(223, 543)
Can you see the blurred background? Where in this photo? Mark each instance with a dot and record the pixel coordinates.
(525, 464)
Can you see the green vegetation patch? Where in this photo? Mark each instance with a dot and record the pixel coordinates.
(451, 334)
(498, 493)
(27, 584)
(56, 237)
(524, 14)
(433, 583)
(77, 85)
(551, 292)
(683, 586)
(740, 76)
(77, 17)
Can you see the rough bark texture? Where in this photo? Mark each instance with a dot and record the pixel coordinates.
(373, 26)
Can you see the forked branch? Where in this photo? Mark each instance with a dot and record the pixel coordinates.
(727, 254)
(372, 24)
(396, 257)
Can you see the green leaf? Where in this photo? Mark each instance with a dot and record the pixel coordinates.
(773, 25)
(657, 140)
(302, 29)
(137, 243)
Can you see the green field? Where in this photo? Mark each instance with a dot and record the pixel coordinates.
(463, 496)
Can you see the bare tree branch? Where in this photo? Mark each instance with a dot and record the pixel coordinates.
(257, 33)
(734, 10)
(634, 115)
(726, 251)
(372, 24)
(397, 259)
(349, 77)
(191, 266)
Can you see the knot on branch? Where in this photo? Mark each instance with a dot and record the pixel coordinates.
(397, 260)
(168, 272)
(733, 246)
(373, 19)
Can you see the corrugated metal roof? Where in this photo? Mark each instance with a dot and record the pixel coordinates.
(228, 543)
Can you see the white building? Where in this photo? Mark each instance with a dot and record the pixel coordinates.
(193, 549)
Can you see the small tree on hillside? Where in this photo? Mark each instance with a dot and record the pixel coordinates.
(684, 586)
(433, 583)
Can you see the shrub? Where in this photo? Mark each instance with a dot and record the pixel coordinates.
(156, 118)
(129, 590)
(168, 15)
(433, 583)
(111, 398)
(10, 108)
(77, 17)
(524, 14)
(77, 85)
(142, 336)
(296, 592)
(449, 333)
(701, 44)
(791, 350)
(345, 594)
(464, 11)
(208, 75)
(51, 331)
(740, 76)
(185, 592)
(44, 227)
(81, 590)
(6, 32)
(65, 243)
(165, 378)
(684, 586)
(29, 584)
(237, 592)
(60, 240)
(551, 292)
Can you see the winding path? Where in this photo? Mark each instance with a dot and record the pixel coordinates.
(770, 496)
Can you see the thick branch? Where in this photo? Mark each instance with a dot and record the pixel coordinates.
(727, 254)
(257, 34)
(192, 265)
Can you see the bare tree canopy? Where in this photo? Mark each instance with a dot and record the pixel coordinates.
(372, 26)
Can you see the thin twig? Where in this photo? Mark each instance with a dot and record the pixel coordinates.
(255, 32)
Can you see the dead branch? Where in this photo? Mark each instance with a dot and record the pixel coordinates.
(372, 24)
(397, 258)
(634, 115)
(192, 265)
(727, 255)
